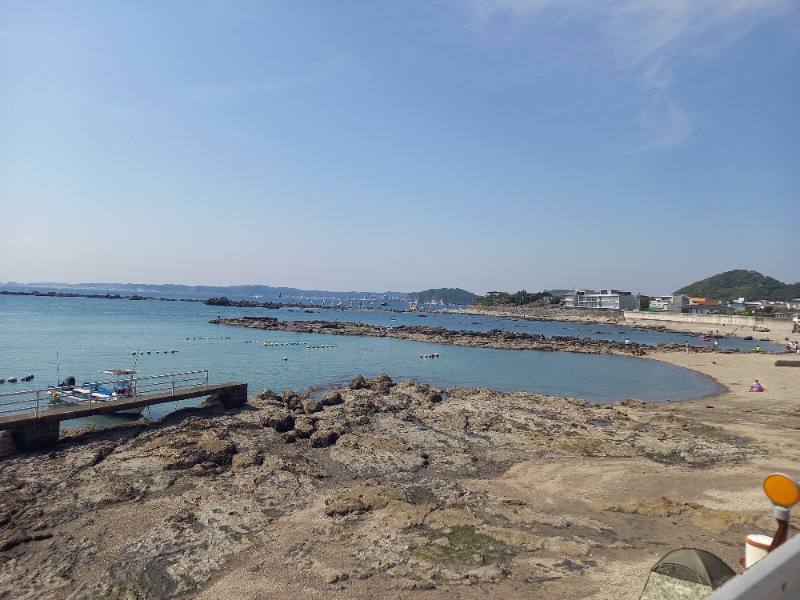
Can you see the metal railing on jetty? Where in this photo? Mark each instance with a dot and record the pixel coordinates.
(41, 400)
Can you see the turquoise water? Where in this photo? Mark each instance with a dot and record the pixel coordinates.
(53, 338)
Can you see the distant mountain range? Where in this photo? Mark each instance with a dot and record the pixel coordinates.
(205, 291)
(749, 285)
(727, 286)
(202, 292)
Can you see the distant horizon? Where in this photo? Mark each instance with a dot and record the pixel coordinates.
(257, 285)
(319, 290)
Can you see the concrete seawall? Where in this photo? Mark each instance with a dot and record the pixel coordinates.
(738, 325)
(728, 322)
(693, 319)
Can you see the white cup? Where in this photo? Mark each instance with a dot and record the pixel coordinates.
(756, 547)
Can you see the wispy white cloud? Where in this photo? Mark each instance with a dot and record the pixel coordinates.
(664, 125)
(631, 31)
(20, 248)
(640, 33)
(29, 241)
(645, 42)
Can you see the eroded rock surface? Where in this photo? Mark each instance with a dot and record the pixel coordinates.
(378, 489)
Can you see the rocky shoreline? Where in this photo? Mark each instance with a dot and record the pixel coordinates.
(497, 338)
(380, 489)
(385, 489)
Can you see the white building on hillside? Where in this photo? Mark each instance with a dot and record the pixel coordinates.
(674, 303)
(604, 299)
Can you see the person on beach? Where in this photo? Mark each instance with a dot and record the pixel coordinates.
(687, 347)
(756, 387)
(716, 345)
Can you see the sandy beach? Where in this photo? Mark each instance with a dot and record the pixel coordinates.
(398, 490)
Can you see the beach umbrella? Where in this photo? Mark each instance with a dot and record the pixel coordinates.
(686, 574)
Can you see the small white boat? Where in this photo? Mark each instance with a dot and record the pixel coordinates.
(123, 385)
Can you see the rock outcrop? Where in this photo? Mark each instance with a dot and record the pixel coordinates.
(375, 486)
(497, 338)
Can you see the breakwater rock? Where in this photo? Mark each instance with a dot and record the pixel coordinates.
(374, 490)
(497, 338)
(223, 301)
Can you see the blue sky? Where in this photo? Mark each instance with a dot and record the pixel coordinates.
(372, 146)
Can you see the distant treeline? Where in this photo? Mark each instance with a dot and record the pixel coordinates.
(216, 301)
(518, 298)
(445, 296)
(101, 296)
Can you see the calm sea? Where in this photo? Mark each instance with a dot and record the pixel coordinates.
(53, 338)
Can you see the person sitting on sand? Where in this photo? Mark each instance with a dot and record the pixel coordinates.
(756, 387)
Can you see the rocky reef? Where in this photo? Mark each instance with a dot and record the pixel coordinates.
(375, 490)
(497, 338)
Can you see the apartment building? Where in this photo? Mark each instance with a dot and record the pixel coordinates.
(603, 299)
(673, 302)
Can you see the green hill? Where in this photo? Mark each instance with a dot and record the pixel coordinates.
(749, 285)
(444, 295)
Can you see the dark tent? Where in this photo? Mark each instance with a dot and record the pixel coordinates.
(686, 574)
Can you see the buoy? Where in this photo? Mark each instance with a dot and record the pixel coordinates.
(285, 358)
